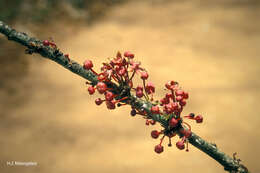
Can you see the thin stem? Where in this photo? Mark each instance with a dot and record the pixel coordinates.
(145, 93)
(132, 75)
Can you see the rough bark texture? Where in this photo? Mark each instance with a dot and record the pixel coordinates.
(36, 46)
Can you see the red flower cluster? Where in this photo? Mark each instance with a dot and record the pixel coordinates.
(117, 71)
(120, 72)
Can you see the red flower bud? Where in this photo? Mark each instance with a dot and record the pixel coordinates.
(168, 108)
(155, 109)
(173, 122)
(109, 96)
(186, 133)
(152, 122)
(180, 145)
(183, 102)
(98, 101)
(122, 72)
(144, 75)
(175, 105)
(168, 95)
(139, 88)
(163, 101)
(170, 85)
(91, 90)
(149, 88)
(139, 93)
(179, 98)
(171, 135)
(111, 104)
(88, 64)
(46, 43)
(128, 54)
(155, 134)
(185, 95)
(179, 93)
(199, 119)
(101, 87)
(158, 148)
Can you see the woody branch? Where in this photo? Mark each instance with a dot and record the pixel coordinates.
(50, 50)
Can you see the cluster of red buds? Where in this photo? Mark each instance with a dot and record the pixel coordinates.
(115, 82)
(49, 42)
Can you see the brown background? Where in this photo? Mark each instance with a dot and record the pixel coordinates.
(210, 47)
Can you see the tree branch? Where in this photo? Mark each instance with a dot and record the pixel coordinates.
(53, 53)
(36, 46)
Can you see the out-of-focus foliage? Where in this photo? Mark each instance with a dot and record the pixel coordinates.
(41, 10)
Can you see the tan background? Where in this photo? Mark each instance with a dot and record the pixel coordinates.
(212, 49)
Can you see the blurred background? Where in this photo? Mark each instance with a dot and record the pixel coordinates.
(210, 47)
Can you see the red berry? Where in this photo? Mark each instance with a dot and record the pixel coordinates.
(155, 134)
(179, 98)
(173, 122)
(98, 101)
(199, 119)
(88, 64)
(147, 122)
(128, 54)
(144, 75)
(109, 96)
(180, 145)
(91, 90)
(111, 104)
(179, 93)
(158, 149)
(101, 87)
(185, 95)
(46, 43)
(155, 110)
